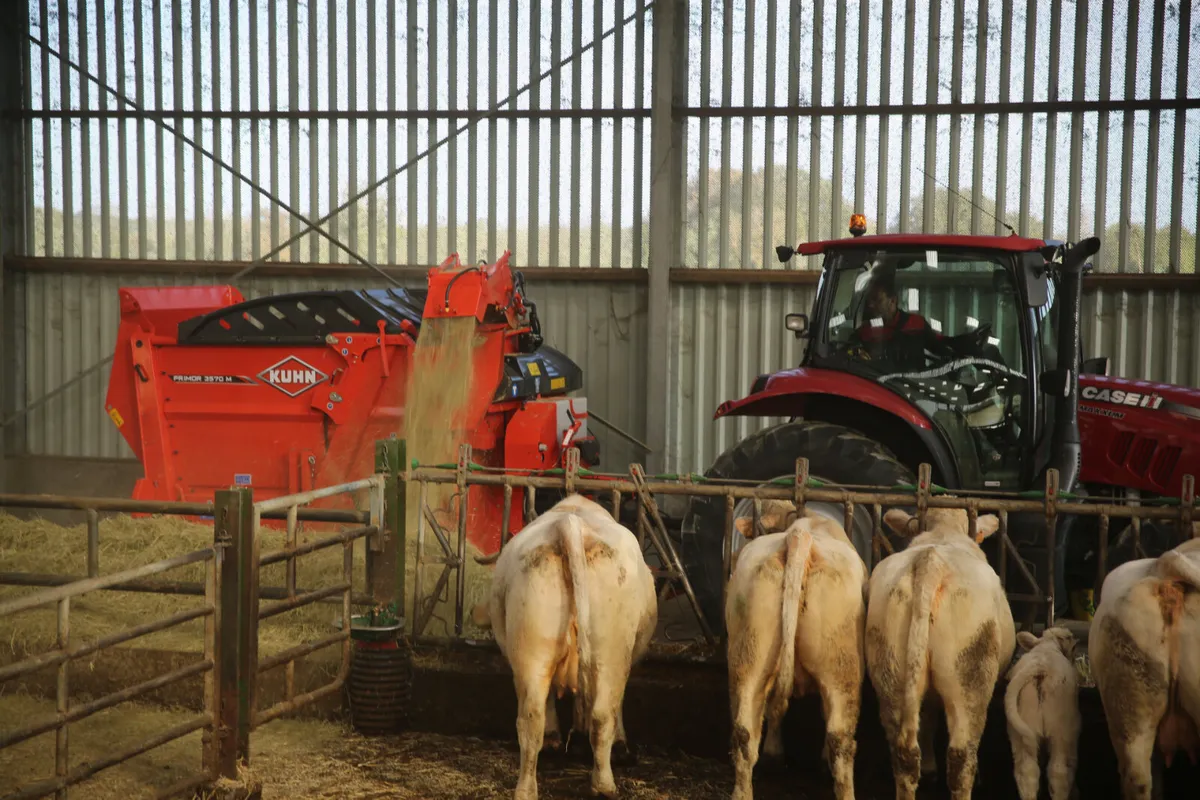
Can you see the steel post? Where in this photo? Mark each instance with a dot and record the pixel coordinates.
(385, 568)
(668, 90)
(233, 533)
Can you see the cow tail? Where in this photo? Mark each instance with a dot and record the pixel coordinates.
(572, 533)
(927, 575)
(799, 549)
(1012, 695)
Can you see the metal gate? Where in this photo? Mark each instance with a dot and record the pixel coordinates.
(231, 608)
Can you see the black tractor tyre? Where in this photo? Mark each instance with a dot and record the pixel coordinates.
(835, 453)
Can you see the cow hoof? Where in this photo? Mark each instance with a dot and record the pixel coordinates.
(623, 754)
(605, 790)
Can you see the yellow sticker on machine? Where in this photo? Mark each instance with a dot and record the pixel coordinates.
(117, 419)
(557, 383)
(534, 369)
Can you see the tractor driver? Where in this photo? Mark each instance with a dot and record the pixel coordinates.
(903, 335)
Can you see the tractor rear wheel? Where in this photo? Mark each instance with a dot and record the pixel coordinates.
(835, 454)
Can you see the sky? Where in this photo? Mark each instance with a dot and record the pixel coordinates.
(367, 42)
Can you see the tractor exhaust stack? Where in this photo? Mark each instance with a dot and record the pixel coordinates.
(1065, 448)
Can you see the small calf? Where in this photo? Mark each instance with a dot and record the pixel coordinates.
(1042, 706)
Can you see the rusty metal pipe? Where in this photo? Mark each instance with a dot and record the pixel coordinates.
(90, 768)
(64, 718)
(300, 600)
(505, 533)
(93, 543)
(73, 652)
(92, 584)
(275, 556)
(166, 508)
(285, 502)
(986, 504)
(279, 709)
(193, 588)
(62, 758)
(300, 650)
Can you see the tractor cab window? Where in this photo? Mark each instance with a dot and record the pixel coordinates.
(942, 327)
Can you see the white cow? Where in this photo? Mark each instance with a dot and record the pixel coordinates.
(1144, 646)
(1041, 704)
(573, 608)
(794, 617)
(938, 621)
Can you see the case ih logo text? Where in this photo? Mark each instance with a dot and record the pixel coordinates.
(1120, 397)
(292, 376)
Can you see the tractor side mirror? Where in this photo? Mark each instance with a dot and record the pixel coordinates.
(797, 324)
(1094, 366)
(1056, 382)
(1035, 278)
(784, 253)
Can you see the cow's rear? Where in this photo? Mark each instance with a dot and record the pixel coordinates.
(794, 615)
(572, 608)
(1144, 645)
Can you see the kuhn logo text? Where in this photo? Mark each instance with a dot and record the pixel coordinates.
(292, 376)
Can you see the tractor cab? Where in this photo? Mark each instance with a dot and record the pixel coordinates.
(962, 329)
(958, 330)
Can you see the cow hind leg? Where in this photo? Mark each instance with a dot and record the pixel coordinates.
(532, 693)
(1061, 770)
(748, 695)
(605, 710)
(965, 719)
(902, 742)
(1134, 756)
(841, 705)
(1025, 765)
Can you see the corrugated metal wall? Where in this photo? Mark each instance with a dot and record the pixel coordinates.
(1061, 119)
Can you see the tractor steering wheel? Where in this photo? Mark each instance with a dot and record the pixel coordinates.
(975, 343)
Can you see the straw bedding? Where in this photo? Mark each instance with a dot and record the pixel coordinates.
(311, 759)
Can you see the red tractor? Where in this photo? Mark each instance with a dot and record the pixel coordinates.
(962, 352)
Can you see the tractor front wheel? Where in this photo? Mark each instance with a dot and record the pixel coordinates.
(835, 454)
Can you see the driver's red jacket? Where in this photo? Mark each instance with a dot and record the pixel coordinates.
(903, 322)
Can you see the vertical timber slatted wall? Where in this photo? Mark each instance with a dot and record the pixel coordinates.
(156, 130)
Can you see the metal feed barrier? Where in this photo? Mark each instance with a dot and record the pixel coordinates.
(231, 610)
(233, 606)
(1049, 503)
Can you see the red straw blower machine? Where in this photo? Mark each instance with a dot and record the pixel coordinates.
(291, 392)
